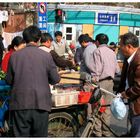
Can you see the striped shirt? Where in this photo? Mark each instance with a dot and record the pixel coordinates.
(87, 57)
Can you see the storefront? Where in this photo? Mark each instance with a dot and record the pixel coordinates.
(93, 20)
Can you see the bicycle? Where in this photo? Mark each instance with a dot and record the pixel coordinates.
(65, 121)
(88, 124)
(97, 99)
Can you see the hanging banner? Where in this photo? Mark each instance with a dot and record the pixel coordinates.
(42, 16)
(107, 18)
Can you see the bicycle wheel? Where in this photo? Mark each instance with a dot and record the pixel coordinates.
(87, 130)
(62, 124)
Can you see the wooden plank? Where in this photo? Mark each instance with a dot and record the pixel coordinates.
(70, 75)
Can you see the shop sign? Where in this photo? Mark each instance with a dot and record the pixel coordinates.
(107, 18)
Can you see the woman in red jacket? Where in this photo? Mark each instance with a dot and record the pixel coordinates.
(17, 44)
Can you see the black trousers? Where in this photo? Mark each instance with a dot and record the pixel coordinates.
(29, 123)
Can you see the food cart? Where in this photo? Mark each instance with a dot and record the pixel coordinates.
(69, 112)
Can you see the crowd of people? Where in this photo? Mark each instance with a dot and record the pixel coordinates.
(34, 60)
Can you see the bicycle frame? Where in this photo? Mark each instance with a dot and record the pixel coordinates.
(91, 122)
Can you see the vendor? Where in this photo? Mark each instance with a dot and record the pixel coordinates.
(46, 40)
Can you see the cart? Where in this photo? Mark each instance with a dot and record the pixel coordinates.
(67, 119)
(64, 121)
(71, 121)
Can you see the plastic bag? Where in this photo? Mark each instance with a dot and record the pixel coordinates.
(118, 108)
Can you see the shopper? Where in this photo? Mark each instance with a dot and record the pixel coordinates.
(85, 52)
(16, 44)
(103, 68)
(30, 71)
(130, 80)
(87, 48)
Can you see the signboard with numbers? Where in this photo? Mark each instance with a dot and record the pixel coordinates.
(42, 16)
(107, 18)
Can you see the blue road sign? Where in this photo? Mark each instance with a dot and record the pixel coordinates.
(107, 18)
(42, 16)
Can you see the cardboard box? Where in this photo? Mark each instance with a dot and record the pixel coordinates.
(65, 98)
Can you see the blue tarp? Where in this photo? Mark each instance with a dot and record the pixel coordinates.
(4, 97)
(4, 86)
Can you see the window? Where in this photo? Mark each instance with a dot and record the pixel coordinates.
(69, 30)
(68, 37)
(137, 33)
(68, 33)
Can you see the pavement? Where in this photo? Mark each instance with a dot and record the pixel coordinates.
(119, 126)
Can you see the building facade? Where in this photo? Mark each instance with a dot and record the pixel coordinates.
(94, 19)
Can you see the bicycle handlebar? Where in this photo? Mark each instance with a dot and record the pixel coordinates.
(92, 84)
(104, 90)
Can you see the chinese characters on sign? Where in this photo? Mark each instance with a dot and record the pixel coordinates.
(107, 18)
(42, 16)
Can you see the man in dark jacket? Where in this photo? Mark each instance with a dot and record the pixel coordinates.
(131, 79)
(30, 71)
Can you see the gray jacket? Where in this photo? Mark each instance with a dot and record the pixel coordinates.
(87, 57)
(30, 71)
